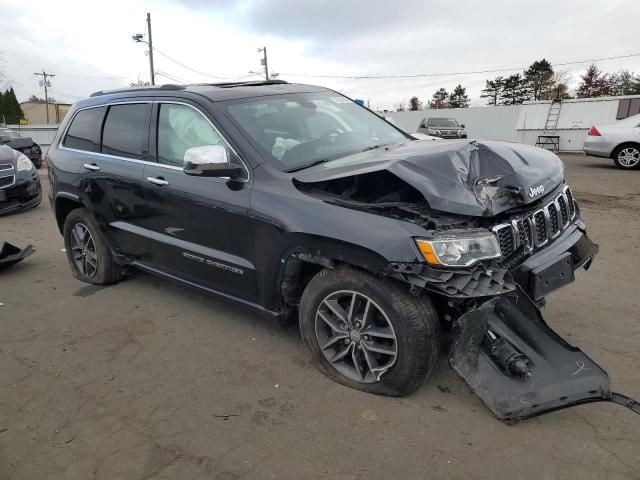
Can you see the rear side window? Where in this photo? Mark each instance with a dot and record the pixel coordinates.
(125, 132)
(84, 131)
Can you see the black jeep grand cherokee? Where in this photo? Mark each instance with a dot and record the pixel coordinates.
(293, 199)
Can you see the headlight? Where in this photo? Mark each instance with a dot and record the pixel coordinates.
(24, 164)
(460, 249)
(433, 131)
(462, 132)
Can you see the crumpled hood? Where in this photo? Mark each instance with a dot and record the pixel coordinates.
(475, 178)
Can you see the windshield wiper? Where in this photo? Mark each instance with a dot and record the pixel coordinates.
(312, 164)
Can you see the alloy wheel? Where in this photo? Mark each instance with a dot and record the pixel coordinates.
(355, 336)
(629, 157)
(83, 250)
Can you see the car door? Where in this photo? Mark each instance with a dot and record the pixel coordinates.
(199, 226)
(111, 144)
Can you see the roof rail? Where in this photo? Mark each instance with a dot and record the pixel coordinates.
(168, 86)
(251, 83)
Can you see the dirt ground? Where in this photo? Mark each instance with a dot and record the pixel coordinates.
(145, 380)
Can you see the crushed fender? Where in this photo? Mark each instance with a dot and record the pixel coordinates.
(10, 254)
(520, 367)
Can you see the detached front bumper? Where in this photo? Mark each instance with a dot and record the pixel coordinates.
(25, 193)
(519, 367)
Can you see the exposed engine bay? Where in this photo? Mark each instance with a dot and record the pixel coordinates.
(383, 193)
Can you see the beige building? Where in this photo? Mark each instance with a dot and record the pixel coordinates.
(36, 112)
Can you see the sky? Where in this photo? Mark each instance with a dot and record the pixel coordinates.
(88, 46)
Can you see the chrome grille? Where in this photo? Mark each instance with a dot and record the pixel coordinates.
(536, 229)
(6, 167)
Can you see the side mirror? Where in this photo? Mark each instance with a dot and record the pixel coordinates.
(423, 125)
(209, 161)
(462, 125)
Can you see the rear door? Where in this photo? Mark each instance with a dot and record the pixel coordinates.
(111, 170)
(199, 227)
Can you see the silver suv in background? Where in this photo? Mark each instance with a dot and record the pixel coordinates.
(618, 140)
(442, 128)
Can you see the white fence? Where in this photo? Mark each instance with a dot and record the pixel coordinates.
(523, 123)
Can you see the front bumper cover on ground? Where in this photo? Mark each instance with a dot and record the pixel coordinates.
(519, 367)
(10, 254)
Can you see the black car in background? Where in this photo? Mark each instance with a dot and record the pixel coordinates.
(23, 144)
(299, 203)
(19, 182)
(442, 127)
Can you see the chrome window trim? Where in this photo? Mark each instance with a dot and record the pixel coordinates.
(157, 164)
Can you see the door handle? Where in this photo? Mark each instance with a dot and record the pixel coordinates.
(161, 182)
(91, 166)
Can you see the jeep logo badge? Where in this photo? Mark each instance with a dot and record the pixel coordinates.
(535, 191)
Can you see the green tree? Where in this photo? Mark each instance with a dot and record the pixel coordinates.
(625, 83)
(492, 90)
(440, 99)
(515, 90)
(539, 77)
(13, 111)
(595, 83)
(415, 104)
(459, 98)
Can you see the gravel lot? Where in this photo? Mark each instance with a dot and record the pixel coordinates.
(145, 380)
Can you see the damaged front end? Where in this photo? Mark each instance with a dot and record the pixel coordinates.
(519, 367)
(500, 231)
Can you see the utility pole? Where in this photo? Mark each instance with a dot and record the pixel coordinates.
(264, 62)
(45, 83)
(153, 75)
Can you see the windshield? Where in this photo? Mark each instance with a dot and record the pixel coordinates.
(442, 122)
(294, 131)
(7, 135)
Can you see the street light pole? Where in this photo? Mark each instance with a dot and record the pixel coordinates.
(151, 72)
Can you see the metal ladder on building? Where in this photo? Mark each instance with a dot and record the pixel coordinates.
(549, 139)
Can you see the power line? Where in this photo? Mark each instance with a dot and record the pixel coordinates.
(90, 76)
(197, 71)
(420, 75)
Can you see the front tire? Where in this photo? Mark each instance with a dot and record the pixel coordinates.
(627, 156)
(89, 256)
(369, 333)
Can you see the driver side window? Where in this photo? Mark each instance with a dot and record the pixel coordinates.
(181, 127)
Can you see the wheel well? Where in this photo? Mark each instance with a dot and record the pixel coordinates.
(297, 273)
(64, 206)
(614, 152)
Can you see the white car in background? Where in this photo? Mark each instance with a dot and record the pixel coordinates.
(618, 140)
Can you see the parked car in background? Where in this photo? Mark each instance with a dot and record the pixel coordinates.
(618, 140)
(442, 127)
(24, 145)
(19, 182)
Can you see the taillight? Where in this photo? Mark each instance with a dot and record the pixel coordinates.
(593, 131)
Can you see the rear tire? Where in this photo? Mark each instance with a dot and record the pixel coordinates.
(413, 321)
(627, 156)
(89, 256)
